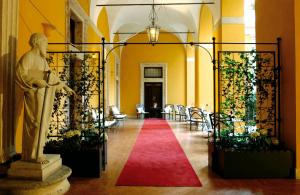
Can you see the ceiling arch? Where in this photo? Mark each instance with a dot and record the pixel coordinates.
(136, 18)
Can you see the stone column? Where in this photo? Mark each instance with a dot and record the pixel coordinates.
(9, 13)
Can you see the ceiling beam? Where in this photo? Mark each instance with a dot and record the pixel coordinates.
(155, 4)
(133, 33)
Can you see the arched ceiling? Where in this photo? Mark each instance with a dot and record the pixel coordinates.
(136, 18)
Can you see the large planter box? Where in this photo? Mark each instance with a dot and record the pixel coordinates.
(85, 163)
(252, 164)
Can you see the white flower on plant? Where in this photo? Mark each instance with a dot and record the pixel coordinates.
(255, 134)
(264, 132)
(72, 133)
(275, 141)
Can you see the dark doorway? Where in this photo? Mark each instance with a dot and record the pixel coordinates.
(153, 99)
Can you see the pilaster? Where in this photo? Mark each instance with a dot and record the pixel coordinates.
(9, 12)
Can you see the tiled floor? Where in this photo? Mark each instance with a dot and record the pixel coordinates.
(120, 143)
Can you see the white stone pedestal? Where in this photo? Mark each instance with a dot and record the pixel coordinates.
(26, 178)
(55, 184)
(35, 171)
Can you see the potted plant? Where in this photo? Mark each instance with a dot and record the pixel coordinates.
(83, 152)
(245, 143)
(74, 133)
(255, 155)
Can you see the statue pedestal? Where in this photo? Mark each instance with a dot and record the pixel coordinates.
(35, 171)
(25, 178)
(55, 184)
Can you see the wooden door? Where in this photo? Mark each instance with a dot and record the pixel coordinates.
(153, 95)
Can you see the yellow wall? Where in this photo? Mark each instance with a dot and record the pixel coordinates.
(85, 4)
(92, 37)
(134, 55)
(117, 51)
(103, 25)
(197, 86)
(111, 81)
(204, 71)
(112, 73)
(232, 32)
(30, 21)
(190, 71)
(297, 35)
(218, 35)
(267, 30)
(232, 8)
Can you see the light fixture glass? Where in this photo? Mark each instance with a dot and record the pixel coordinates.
(153, 29)
(153, 34)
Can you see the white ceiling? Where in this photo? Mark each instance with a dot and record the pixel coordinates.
(136, 18)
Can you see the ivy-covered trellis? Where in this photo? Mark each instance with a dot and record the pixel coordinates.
(247, 99)
(76, 131)
(76, 119)
(246, 118)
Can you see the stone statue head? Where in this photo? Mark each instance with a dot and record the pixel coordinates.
(39, 41)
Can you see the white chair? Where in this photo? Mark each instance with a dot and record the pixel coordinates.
(187, 114)
(140, 111)
(167, 111)
(180, 111)
(182, 114)
(107, 124)
(198, 117)
(116, 114)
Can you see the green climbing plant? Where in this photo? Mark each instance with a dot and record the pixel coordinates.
(73, 114)
(247, 93)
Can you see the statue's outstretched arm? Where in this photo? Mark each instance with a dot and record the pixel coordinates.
(69, 90)
(55, 81)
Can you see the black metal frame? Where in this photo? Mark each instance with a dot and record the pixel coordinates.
(197, 44)
(163, 43)
(217, 87)
(163, 32)
(99, 74)
(220, 81)
(100, 86)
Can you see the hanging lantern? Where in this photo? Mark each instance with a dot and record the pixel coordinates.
(153, 34)
(153, 29)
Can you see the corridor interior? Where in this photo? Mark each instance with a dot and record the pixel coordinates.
(120, 143)
(114, 43)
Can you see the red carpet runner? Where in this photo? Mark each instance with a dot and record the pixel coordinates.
(157, 159)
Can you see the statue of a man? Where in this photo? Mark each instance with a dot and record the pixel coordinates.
(39, 85)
